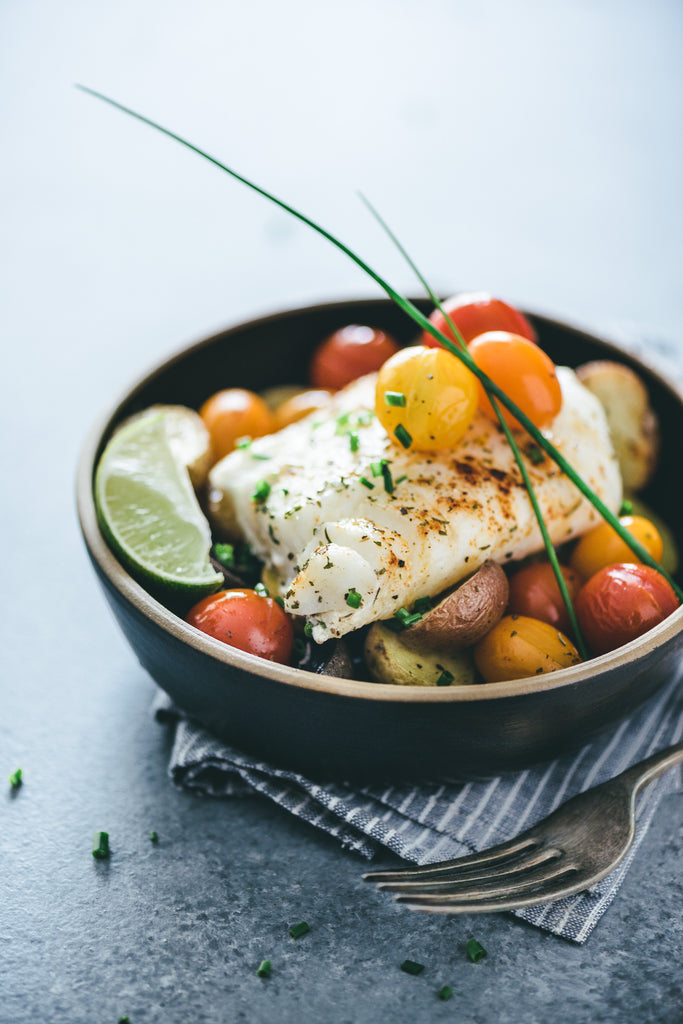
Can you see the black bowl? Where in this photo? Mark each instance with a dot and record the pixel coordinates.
(328, 727)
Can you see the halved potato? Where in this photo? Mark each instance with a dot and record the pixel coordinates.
(390, 661)
(632, 421)
(465, 615)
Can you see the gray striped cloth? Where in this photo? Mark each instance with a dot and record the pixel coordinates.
(433, 822)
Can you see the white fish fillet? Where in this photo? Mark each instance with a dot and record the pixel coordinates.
(325, 533)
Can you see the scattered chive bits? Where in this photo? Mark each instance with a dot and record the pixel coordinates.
(353, 598)
(354, 441)
(264, 968)
(297, 930)
(412, 967)
(445, 679)
(407, 618)
(475, 951)
(154, 836)
(308, 630)
(261, 491)
(367, 483)
(16, 778)
(261, 589)
(422, 605)
(626, 508)
(100, 845)
(125, 1019)
(402, 436)
(445, 993)
(395, 398)
(225, 554)
(388, 479)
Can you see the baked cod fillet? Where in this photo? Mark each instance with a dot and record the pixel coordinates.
(355, 527)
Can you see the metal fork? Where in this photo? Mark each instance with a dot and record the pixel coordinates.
(565, 853)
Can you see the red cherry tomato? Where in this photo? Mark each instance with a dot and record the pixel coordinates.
(349, 353)
(620, 603)
(476, 313)
(523, 371)
(244, 619)
(534, 592)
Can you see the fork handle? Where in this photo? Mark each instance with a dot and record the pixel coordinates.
(639, 775)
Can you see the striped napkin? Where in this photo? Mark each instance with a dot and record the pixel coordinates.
(431, 822)
(427, 823)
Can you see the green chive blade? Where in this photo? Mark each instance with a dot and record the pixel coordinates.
(264, 969)
(412, 967)
(297, 930)
(475, 951)
(16, 778)
(445, 993)
(100, 846)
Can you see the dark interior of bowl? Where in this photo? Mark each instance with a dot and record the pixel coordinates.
(332, 734)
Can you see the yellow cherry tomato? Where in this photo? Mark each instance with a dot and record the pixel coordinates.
(603, 546)
(297, 406)
(425, 398)
(520, 646)
(234, 413)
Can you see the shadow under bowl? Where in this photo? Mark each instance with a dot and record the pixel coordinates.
(336, 728)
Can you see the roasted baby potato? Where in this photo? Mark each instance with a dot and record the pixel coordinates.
(465, 615)
(632, 421)
(390, 661)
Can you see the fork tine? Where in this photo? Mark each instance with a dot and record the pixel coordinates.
(504, 851)
(500, 871)
(557, 883)
(495, 885)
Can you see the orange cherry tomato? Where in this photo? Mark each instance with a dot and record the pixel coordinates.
(295, 408)
(234, 413)
(476, 313)
(425, 398)
(519, 646)
(603, 546)
(534, 592)
(620, 603)
(523, 371)
(349, 353)
(244, 619)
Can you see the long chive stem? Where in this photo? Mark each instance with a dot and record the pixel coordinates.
(422, 321)
(550, 550)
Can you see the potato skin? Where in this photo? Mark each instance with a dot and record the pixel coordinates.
(390, 661)
(632, 422)
(465, 615)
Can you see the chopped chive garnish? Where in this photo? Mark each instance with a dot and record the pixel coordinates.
(260, 457)
(407, 618)
(262, 490)
(388, 480)
(261, 589)
(353, 598)
(15, 778)
(225, 554)
(100, 845)
(367, 483)
(626, 507)
(279, 600)
(446, 992)
(377, 467)
(445, 679)
(243, 442)
(154, 836)
(402, 435)
(263, 970)
(125, 1019)
(354, 441)
(475, 951)
(396, 398)
(400, 479)
(412, 967)
(308, 630)
(297, 930)
(535, 454)
(422, 605)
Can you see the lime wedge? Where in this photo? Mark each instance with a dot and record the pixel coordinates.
(149, 513)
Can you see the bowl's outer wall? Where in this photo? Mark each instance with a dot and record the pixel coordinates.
(330, 735)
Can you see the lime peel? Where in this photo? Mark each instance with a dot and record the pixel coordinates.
(149, 513)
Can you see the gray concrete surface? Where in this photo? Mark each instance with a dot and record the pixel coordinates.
(530, 149)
